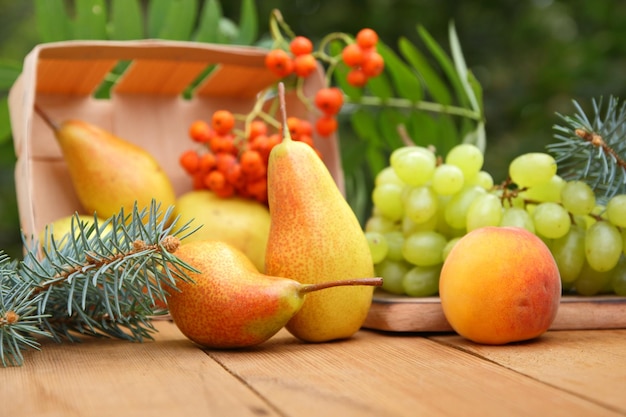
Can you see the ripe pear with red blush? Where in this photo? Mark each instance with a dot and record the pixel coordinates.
(314, 237)
(229, 303)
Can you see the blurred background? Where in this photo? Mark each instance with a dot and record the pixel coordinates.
(532, 58)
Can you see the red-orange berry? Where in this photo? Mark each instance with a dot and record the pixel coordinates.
(223, 144)
(223, 161)
(252, 164)
(293, 124)
(373, 65)
(222, 122)
(257, 128)
(356, 77)
(329, 100)
(200, 131)
(304, 65)
(214, 180)
(366, 38)
(326, 125)
(300, 45)
(207, 162)
(279, 62)
(304, 128)
(353, 55)
(190, 161)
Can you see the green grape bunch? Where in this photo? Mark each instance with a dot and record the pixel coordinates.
(424, 203)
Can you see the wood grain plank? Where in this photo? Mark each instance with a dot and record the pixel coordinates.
(376, 374)
(169, 377)
(589, 363)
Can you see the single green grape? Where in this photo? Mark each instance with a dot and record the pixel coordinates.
(485, 210)
(424, 248)
(447, 179)
(482, 179)
(591, 281)
(517, 217)
(381, 224)
(467, 157)
(616, 210)
(378, 246)
(578, 198)
(624, 240)
(393, 273)
(388, 176)
(388, 200)
(551, 220)
(548, 191)
(409, 226)
(420, 204)
(422, 281)
(449, 246)
(457, 207)
(414, 165)
(395, 242)
(618, 281)
(569, 253)
(532, 169)
(603, 246)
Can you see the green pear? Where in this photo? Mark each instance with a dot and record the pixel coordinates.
(60, 229)
(109, 173)
(229, 303)
(241, 222)
(315, 236)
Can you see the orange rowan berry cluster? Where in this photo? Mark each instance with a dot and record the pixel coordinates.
(232, 164)
(362, 58)
(300, 62)
(328, 101)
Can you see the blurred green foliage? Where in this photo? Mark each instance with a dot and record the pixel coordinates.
(532, 58)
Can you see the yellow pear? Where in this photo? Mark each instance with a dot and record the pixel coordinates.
(60, 228)
(315, 237)
(240, 222)
(108, 172)
(230, 304)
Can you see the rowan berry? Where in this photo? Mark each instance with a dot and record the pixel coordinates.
(367, 38)
(353, 55)
(306, 139)
(301, 45)
(207, 162)
(304, 128)
(326, 125)
(304, 65)
(357, 78)
(252, 164)
(235, 176)
(222, 122)
(373, 65)
(223, 161)
(215, 180)
(279, 62)
(258, 189)
(223, 144)
(293, 124)
(200, 131)
(329, 100)
(190, 161)
(257, 128)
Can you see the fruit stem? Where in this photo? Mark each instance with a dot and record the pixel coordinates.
(53, 125)
(283, 111)
(375, 282)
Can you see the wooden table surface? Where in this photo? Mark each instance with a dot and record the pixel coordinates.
(563, 373)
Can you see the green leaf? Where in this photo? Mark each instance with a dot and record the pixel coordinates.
(91, 19)
(364, 125)
(447, 135)
(248, 23)
(446, 65)
(376, 159)
(5, 120)
(422, 128)
(157, 13)
(461, 67)
(9, 72)
(208, 28)
(126, 20)
(228, 31)
(389, 121)
(406, 83)
(53, 23)
(433, 83)
(179, 21)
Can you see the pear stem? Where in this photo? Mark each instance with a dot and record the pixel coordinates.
(53, 125)
(283, 111)
(375, 282)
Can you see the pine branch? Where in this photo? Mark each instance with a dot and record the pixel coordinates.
(108, 279)
(593, 149)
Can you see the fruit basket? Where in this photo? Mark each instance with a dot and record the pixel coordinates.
(165, 87)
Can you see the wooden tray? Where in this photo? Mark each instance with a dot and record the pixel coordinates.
(410, 314)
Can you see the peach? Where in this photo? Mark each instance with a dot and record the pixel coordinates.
(500, 285)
